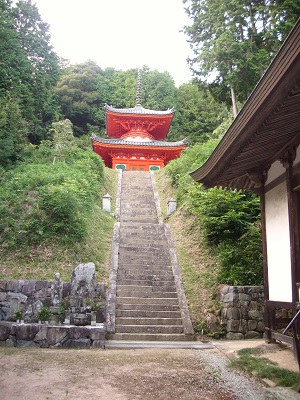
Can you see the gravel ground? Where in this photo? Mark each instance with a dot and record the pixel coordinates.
(143, 374)
(241, 386)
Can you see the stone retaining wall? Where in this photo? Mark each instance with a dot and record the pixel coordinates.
(30, 295)
(46, 336)
(242, 311)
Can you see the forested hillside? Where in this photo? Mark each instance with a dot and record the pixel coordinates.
(52, 182)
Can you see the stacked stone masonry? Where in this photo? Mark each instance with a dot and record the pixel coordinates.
(29, 296)
(47, 336)
(242, 311)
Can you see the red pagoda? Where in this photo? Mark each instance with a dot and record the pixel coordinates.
(135, 138)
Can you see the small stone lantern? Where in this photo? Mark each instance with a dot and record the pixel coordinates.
(106, 202)
(172, 206)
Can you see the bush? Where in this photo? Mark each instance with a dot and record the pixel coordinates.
(241, 262)
(224, 214)
(40, 200)
(228, 219)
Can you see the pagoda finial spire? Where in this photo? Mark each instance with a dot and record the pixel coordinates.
(139, 90)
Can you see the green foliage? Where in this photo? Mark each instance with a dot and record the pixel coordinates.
(63, 138)
(13, 131)
(44, 314)
(197, 114)
(18, 314)
(46, 201)
(228, 219)
(264, 368)
(234, 41)
(224, 214)
(241, 261)
(28, 65)
(78, 95)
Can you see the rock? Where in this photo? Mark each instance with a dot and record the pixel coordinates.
(77, 344)
(98, 344)
(26, 332)
(22, 298)
(234, 336)
(83, 284)
(233, 325)
(78, 332)
(260, 327)
(97, 334)
(56, 335)
(281, 393)
(26, 343)
(252, 325)
(252, 335)
(4, 332)
(11, 342)
(29, 288)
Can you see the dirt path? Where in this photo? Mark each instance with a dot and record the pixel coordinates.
(38, 374)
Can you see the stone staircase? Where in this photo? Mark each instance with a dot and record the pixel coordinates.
(146, 301)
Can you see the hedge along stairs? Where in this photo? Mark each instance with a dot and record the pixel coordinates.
(146, 301)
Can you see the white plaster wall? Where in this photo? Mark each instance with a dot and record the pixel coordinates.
(275, 171)
(297, 159)
(278, 244)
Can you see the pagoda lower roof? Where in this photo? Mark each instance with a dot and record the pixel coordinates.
(139, 143)
(139, 110)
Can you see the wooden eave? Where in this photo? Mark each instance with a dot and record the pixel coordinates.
(268, 123)
(168, 150)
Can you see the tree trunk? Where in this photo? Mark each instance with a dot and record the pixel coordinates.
(233, 99)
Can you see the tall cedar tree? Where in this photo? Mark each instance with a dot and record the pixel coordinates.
(234, 41)
(28, 65)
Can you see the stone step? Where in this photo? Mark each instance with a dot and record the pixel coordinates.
(126, 240)
(149, 329)
(142, 294)
(147, 307)
(147, 321)
(168, 301)
(154, 264)
(150, 228)
(149, 249)
(147, 282)
(148, 289)
(143, 220)
(147, 314)
(150, 337)
(139, 274)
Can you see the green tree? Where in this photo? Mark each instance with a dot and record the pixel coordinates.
(197, 114)
(234, 41)
(119, 89)
(78, 95)
(63, 137)
(29, 67)
(13, 131)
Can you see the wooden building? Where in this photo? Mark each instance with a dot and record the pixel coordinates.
(135, 138)
(260, 152)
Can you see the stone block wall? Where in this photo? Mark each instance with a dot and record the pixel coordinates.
(242, 311)
(47, 336)
(30, 295)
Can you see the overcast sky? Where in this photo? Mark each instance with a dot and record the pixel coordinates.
(122, 34)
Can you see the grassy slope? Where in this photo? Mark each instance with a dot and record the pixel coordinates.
(43, 261)
(198, 267)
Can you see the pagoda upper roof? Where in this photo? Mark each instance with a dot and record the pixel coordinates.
(136, 121)
(139, 110)
(141, 143)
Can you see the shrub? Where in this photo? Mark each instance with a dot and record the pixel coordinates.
(241, 262)
(224, 214)
(40, 200)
